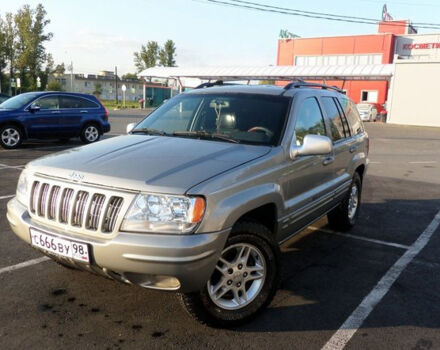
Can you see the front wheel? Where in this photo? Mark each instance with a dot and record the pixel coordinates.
(244, 281)
(344, 216)
(10, 136)
(90, 133)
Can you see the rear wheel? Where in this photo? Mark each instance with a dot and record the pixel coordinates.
(11, 136)
(90, 133)
(244, 281)
(344, 216)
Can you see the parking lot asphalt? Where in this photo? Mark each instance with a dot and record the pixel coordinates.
(375, 288)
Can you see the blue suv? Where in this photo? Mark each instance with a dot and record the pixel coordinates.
(51, 115)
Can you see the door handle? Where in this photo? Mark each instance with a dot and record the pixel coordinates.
(55, 112)
(328, 160)
(83, 111)
(353, 149)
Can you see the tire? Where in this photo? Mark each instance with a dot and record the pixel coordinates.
(257, 279)
(11, 136)
(344, 217)
(90, 133)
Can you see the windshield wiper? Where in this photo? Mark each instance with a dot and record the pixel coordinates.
(149, 131)
(205, 135)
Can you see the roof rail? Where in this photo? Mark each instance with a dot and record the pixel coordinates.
(300, 83)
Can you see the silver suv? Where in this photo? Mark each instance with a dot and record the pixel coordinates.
(199, 195)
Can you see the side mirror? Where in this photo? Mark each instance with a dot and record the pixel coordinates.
(34, 108)
(312, 145)
(130, 127)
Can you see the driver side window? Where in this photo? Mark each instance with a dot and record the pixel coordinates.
(49, 102)
(309, 120)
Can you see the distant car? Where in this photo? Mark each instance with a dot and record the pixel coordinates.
(3, 98)
(51, 115)
(367, 111)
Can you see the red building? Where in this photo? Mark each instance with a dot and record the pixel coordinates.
(348, 50)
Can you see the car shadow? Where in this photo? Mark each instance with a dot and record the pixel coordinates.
(325, 275)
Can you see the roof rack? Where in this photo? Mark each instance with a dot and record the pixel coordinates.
(215, 83)
(300, 83)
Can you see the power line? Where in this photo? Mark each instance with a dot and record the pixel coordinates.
(316, 15)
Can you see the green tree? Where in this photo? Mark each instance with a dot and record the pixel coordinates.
(53, 85)
(98, 90)
(167, 54)
(10, 44)
(60, 69)
(147, 57)
(132, 76)
(31, 36)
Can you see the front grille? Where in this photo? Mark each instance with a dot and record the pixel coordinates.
(77, 208)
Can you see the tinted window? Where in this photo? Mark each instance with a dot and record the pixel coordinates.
(309, 120)
(76, 102)
(49, 102)
(353, 117)
(248, 118)
(336, 125)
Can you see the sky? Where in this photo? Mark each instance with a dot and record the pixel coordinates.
(101, 34)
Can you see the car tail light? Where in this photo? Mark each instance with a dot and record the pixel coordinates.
(106, 114)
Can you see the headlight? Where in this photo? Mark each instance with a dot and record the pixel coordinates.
(164, 214)
(23, 189)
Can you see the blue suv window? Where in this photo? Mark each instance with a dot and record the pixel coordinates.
(76, 102)
(48, 102)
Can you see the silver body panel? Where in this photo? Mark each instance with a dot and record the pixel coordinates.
(234, 179)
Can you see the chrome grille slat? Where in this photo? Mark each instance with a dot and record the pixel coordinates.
(34, 196)
(65, 205)
(52, 202)
(42, 199)
(79, 208)
(95, 211)
(111, 214)
(73, 206)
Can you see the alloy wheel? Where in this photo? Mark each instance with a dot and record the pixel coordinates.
(10, 137)
(238, 277)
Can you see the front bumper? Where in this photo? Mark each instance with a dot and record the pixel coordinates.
(147, 260)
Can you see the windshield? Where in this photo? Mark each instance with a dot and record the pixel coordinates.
(18, 101)
(242, 118)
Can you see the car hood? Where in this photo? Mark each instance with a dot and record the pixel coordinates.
(147, 163)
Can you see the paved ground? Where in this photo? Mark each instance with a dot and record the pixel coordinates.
(326, 275)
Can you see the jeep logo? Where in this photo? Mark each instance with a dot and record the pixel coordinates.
(76, 176)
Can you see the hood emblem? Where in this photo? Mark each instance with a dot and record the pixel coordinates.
(76, 176)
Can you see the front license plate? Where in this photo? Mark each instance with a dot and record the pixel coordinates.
(59, 246)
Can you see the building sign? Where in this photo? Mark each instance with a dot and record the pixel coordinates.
(421, 46)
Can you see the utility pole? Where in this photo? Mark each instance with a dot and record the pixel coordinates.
(71, 76)
(116, 84)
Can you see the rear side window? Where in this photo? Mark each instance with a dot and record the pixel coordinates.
(336, 124)
(76, 102)
(309, 120)
(353, 117)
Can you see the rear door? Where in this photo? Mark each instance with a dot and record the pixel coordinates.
(342, 143)
(74, 110)
(45, 122)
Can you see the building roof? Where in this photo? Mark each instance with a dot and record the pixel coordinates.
(351, 72)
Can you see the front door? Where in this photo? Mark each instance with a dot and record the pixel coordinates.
(46, 121)
(307, 179)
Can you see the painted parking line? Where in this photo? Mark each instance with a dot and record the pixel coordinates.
(361, 238)
(6, 166)
(23, 264)
(343, 335)
(423, 162)
(8, 196)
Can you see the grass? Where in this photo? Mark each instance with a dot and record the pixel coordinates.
(111, 104)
